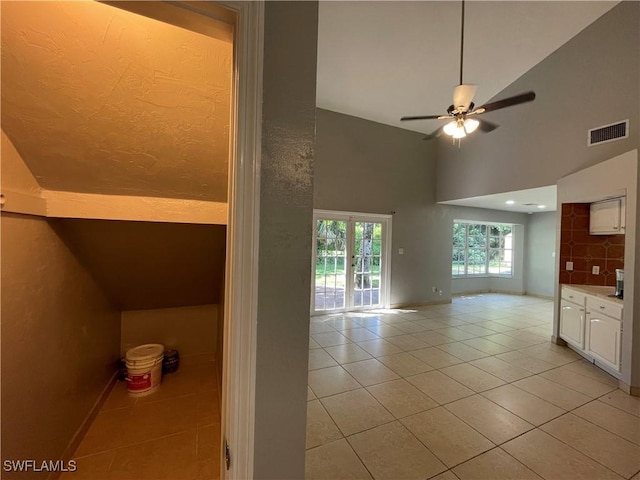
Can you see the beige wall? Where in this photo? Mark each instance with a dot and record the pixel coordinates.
(190, 330)
(60, 341)
(596, 73)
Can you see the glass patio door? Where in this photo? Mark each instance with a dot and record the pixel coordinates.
(350, 262)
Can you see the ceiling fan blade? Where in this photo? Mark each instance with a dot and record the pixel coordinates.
(463, 96)
(434, 134)
(487, 126)
(421, 117)
(506, 102)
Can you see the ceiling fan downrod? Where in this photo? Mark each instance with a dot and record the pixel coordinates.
(461, 41)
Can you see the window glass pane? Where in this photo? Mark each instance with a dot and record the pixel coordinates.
(457, 265)
(482, 249)
(477, 260)
(477, 236)
(459, 234)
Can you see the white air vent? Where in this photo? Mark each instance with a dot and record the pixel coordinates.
(608, 133)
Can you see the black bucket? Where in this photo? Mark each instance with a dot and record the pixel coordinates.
(171, 361)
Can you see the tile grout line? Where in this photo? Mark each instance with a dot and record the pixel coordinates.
(488, 355)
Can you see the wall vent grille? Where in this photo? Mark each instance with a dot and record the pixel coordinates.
(608, 133)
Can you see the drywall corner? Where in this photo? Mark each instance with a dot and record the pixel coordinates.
(21, 192)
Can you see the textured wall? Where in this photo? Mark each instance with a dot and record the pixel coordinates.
(587, 251)
(99, 100)
(286, 184)
(15, 175)
(590, 81)
(60, 341)
(539, 261)
(363, 166)
(190, 330)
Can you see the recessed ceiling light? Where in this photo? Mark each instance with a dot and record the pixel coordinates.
(542, 206)
(509, 202)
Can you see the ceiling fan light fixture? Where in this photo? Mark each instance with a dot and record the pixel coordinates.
(455, 129)
(463, 105)
(470, 125)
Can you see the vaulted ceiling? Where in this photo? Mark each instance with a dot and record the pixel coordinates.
(380, 60)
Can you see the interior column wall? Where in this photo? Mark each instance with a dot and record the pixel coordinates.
(285, 235)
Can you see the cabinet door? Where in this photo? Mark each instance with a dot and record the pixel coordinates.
(604, 217)
(603, 340)
(572, 323)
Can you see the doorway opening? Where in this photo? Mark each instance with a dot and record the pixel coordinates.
(350, 267)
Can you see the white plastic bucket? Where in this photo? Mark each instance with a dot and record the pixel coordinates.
(144, 369)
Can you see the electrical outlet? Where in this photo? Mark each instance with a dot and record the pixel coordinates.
(595, 270)
(434, 289)
(401, 251)
(569, 266)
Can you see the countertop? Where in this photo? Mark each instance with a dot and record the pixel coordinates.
(597, 291)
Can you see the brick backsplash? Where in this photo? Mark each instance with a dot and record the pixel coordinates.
(585, 251)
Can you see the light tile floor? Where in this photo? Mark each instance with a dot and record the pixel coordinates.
(172, 434)
(468, 390)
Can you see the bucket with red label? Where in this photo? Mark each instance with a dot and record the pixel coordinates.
(144, 369)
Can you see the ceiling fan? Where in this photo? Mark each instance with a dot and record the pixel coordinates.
(463, 110)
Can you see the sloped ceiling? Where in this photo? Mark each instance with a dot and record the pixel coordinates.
(145, 265)
(99, 100)
(380, 60)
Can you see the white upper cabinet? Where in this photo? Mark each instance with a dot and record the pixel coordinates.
(607, 217)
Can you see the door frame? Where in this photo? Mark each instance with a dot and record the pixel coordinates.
(241, 269)
(246, 20)
(385, 264)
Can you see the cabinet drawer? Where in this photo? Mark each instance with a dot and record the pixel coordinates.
(603, 307)
(573, 295)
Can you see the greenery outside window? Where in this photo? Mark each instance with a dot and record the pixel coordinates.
(482, 249)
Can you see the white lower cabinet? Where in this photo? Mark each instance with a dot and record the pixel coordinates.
(572, 323)
(572, 317)
(603, 334)
(592, 325)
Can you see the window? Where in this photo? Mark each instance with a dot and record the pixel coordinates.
(482, 249)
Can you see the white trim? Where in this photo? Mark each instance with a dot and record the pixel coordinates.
(14, 201)
(335, 214)
(58, 204)
(240, 316)
(133, 208)
(385, 267)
